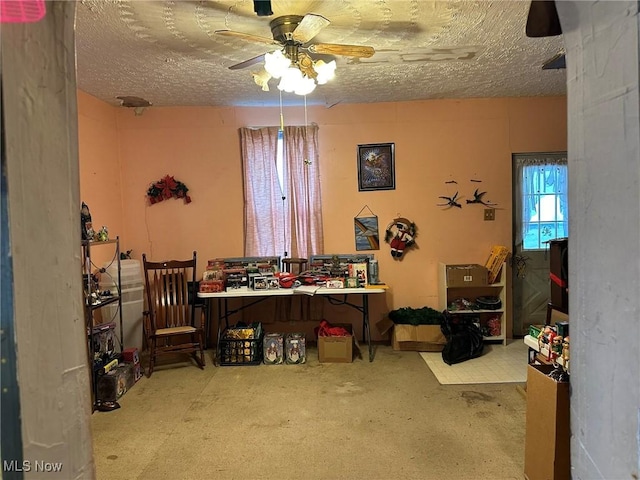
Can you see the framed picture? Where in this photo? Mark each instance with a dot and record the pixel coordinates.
(376, 167)
(367, 235)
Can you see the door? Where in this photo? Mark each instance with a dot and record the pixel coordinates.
(540, 215)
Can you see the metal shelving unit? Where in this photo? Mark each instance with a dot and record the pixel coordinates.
(99, 331)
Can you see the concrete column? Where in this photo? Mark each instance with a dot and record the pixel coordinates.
(41, 122)
(601, 41)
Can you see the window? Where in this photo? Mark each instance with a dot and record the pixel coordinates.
(542, 187)
(282, 200)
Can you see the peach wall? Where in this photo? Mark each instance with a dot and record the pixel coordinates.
(435, 141)
(100, 172)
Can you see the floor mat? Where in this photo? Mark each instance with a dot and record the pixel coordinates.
(498, 364)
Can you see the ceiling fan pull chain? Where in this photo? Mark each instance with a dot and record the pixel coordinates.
(281, 116)
(306, 123)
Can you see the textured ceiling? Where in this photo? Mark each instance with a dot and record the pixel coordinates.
(167, 52)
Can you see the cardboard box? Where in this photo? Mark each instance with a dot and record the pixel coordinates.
(114, 384)
(547, 453)
(467, 276)
(359, 271)
(534, 330)
(418, 338)
(497, 257)
(130, 355)
(336, 349)
(384, 325)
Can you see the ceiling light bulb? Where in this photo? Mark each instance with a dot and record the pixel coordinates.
(276, 63)
(293, 81)
(325, 71)
(262, 79)
(290, 79)
(305, 86)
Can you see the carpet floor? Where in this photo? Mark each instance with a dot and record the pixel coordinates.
(389, 419)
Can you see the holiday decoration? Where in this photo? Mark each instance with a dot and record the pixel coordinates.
(103, 234)
(85, 223)
(400, 234)
(166, 188)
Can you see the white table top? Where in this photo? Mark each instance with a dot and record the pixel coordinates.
(303, 290)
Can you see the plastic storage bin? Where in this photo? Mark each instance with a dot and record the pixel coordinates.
(130, 275)
(241, 345)
(132, 318)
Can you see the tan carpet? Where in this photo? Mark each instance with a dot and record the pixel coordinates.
(385, 420)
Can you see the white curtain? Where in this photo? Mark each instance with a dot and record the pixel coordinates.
(282, 219)
(530, 171)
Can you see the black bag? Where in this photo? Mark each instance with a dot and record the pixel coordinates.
(464, 339)
(489, 303)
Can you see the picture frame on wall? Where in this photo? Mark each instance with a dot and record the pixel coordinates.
(367, 234)
(376, 167)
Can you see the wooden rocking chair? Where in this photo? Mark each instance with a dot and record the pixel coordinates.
(169, 321)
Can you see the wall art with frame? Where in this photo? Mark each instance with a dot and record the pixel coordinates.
(366, 230)
(376, 167)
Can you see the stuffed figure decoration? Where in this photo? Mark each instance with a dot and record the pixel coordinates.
(85, 223)
(400, 234)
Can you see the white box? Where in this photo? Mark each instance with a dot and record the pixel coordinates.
(359, 271)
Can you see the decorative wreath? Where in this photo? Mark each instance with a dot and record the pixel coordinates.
(166, 188)
(400, 234)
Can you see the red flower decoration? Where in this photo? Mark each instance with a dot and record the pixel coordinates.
(166, 188)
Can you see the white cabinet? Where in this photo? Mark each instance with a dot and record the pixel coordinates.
(460, 300)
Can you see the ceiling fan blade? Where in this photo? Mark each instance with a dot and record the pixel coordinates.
(359, 51)
(247, 37)
(247, 63)
(543, 20)
(556, 63)
(309, 27)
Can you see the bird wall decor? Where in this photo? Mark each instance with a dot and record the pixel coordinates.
(454, 200)
(478, 198)
(451, 201)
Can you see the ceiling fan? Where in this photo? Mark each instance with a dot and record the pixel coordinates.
(294, 34)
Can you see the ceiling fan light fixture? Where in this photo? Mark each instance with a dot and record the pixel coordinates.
(294, 78)
(305, 86)
(294, 34)
(275, 63)
(325, 71)
(293, 81)
(261, 79)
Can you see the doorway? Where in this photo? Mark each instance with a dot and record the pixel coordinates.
(540, 214)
